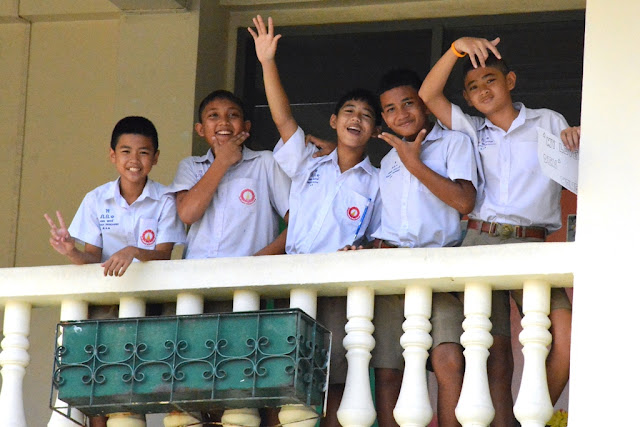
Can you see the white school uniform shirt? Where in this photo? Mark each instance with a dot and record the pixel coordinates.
(515, 191)
(243, 216)
(412, 216)
(105, 219)
(327, 207)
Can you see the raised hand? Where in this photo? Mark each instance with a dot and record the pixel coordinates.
(229, 152)
(60, 238)
(478, 49)
(324, 147)
(571, 138)
(265, 40)
(408, 151)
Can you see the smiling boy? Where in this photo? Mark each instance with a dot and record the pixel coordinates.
(334, 199)
(517, 204)
(232, 197)
(132, 218)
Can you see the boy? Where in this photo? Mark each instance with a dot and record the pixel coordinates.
(427, 181)
(518, 202)
(232, 197)
(130, 218)
(333, 198)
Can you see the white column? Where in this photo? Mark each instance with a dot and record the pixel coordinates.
(129, 307)
(533, 407)
(186, 304)
(69, 310)
(14, 360)
(300, 415)
(413, 407)
(356, 408)
(475, 407)
(247, 417)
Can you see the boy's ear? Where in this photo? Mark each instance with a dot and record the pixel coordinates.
(247, 125)
(155, 157)
(376, 131)
(199, 129)
(511, 80)
(112, 155)
(333, 121)
(466, 97)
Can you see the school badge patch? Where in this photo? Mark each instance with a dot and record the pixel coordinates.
(353, 213)
(148, 237)
(247, 196)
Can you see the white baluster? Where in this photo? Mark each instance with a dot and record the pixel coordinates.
(186, 304)
(533, 407)
(356, 408)
(14, 360)
(131, 307)
(69, 310)
(300, 415)
(249, 417)
(413, 407)
(475, 407)
(126, 419)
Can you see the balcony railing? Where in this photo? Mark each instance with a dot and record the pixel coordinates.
(534, 267)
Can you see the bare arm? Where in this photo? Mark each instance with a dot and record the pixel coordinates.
(278, 245)
(193, 203)
(119, 262)
(432, 88)
(266, 45)
(459, 194)
(64, 244)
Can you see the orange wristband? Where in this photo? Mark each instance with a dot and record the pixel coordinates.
(456, 53)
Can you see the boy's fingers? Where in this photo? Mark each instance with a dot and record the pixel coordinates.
(61, 220)
(492, 46)
(50, 221)
(254, 35)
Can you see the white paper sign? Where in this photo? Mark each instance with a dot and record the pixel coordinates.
(557, 162)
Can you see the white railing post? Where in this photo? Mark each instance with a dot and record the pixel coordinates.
(243, 300)
(356, 408)
(413, 407)
(533, 407)
(129, 307)
(474, 408)
(69, 310)
(300, 415)
(186, 304)
(14, 360)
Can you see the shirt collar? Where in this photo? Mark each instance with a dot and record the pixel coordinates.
(247, 154)
(332, 157)
(149, 191)
(524, 114)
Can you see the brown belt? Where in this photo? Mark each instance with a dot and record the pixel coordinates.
(507, 230)
(382, 244)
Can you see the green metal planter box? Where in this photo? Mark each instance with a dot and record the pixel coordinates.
(191, 363)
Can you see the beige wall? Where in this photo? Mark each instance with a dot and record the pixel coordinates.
(70, 75)
(606, 288)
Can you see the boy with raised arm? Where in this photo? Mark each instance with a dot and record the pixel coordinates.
(427, 181)
(517, 203)
(334, 199)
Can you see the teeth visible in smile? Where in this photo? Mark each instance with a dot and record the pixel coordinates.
(223, 132)
(134, 169)
(353, 129)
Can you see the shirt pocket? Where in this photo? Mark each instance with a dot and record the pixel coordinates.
(147, 233)
(242, 195)
(351, 210)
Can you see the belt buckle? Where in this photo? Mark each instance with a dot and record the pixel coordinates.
(493, 229)
(506, 230)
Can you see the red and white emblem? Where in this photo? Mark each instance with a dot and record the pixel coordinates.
(247, 196)
(353, 213)
(148, 237)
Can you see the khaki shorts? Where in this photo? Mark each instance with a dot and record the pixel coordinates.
(332, 314)
(388, 316)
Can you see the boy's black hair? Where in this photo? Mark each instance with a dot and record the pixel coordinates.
(221, 94)
(134, 125)
(492, 61)
(361, 95)
(399, 77)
